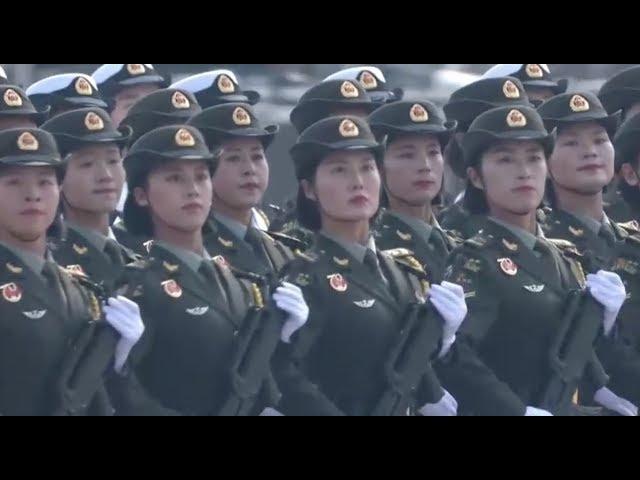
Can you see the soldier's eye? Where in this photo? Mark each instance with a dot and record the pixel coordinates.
(570, 143)
(434, 152)
(233, 158)
(174, 178)
(406, 156)
(505, 159)
(601, 140)
(86, 164)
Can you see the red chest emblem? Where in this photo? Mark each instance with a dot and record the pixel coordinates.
(11, 292)
(172, 289)
(508, 267)
(338, 282)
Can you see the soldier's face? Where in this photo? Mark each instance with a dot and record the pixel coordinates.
(346, 187)
(630, 174)
(16, 122)
(242, 175)
(94, 179)
(178, 195)
(125, 99)
(512, 175)
(632, 111)
(583, 159)
(30, 197)
(413, 169)
(537, 95)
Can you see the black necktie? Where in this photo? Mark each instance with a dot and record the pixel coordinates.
(371, 262)
(608, 235)
(208, 271)
(254, 239)
(114, 252)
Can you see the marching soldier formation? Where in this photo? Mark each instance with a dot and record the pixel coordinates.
(139, 275)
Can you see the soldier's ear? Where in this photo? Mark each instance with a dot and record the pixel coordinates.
(309, 191)
(475, 178)
(630, 175)
(140, 194)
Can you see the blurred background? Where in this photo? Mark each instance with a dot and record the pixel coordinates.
(281, 85)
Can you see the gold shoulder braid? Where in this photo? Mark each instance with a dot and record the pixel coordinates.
(257, 295)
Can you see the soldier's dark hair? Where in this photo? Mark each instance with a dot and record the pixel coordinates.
(630, 193)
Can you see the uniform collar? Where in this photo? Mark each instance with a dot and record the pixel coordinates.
(191, 259)
(421, 227)
(527, 238)
(356, 250)
(33, 262)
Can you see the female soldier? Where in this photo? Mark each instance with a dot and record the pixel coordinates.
(627, 147)
(50, 328)
(209, 337)
(416, 134)
(64, 92)
(368, 307)
(530, 334)
(239, 182)
(464, 106)
(580, 168)
(91, 189)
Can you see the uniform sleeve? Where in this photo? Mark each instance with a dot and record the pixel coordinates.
(300, 396)
(462, 371)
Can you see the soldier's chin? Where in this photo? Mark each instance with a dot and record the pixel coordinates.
(28, 237)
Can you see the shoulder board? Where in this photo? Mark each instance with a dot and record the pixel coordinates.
(308, 256)
(632, 227)
(287, 240)
(561, 243)
(564, 246)
(264, 217)
(480, 240)
(398, 252)
(405, 258)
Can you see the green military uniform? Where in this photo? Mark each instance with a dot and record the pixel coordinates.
(516, 286)
(196, 316)
(367, 311)
(511, 352)
(245, 247)
(427, 241)
(203, 352)
(338, 363)
(622, 91)
(604, 245)
(14, 103)
(612, 247)
(464, 106)
(51, 321)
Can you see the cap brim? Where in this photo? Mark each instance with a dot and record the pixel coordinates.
(354, 144)
(558, 87)
(68, 142)
(465, 111)
(619, 99)
(33, 160)
(142, 79)
(610, 122)
(306, 114)
(87, 101)
(442, 132)
(266, 134)
(475, 142)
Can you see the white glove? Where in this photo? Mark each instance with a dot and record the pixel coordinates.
(289, 298)
(124, 316)
(446, 407)
(448, 299)
(537, 412)
(610, 400)
(608, 290)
